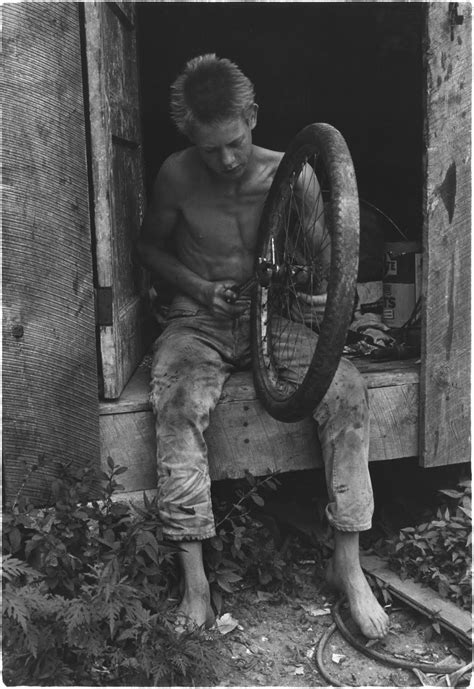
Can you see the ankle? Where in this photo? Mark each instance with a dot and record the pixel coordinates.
(196, 589)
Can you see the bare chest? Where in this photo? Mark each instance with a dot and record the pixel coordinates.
(222, 223)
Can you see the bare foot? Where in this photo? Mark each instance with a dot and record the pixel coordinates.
(366, 611)
(195, 611)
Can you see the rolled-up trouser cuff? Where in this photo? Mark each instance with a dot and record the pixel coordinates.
(189, 536)
(349, 527)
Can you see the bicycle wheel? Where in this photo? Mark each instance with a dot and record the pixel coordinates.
(307, 248)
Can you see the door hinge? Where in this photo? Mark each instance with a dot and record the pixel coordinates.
(103, 306)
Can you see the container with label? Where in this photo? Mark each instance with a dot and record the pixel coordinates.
(401, 282)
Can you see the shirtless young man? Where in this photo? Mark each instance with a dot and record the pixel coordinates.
(208, 199)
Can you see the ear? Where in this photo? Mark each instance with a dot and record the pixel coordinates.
(251, 115)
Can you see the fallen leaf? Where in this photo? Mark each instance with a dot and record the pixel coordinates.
(313, 611)
(226, 623)
(338, 658)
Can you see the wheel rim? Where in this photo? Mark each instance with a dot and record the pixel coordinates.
(292, 397)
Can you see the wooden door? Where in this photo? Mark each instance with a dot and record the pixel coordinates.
(118, 187)
(445, 376)
(50, 406)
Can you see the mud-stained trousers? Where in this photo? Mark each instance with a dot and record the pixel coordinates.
(192, 360)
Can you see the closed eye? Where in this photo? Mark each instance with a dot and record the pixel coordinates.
(233, 144)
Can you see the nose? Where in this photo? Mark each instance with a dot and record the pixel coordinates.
(228, 159)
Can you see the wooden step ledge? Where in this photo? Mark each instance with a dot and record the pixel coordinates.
(242, 436)
(240, 386)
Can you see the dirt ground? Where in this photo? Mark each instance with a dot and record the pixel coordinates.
(276, 640)
(279, 629)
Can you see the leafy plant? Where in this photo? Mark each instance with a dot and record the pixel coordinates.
(439, 552)
(242, 546)
(85, 589)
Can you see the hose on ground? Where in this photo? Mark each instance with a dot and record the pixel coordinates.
(385, 658)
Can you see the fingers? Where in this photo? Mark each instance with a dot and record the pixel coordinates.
(226, 302)
(230, 295)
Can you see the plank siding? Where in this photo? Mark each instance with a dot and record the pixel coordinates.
(50, 405)
(445, 375)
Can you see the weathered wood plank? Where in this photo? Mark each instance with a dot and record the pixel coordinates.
(119, 197)
(240, 387)
(50, 404)
(394, 414)
(422, 598)
(242, 436)
(130, 440)
(445, 374)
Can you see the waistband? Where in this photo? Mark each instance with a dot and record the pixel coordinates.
(183, 301)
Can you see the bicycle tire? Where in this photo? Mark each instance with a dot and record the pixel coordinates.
(341, 210)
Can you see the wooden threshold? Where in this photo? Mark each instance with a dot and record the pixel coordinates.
(242, 436)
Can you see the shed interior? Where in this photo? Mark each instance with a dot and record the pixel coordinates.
(357, 66)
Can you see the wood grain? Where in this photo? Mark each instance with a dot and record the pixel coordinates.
(119, 197)
(240, 387)
(445, 374)
(242, 436)
(50, 405)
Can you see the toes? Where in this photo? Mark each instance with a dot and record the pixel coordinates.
(381, 624)
(373, 623)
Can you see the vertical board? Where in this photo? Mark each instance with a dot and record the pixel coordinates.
(445, 376)
(117, 172)
(50, 405)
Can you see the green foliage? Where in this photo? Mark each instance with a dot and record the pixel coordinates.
(439, 552)
(85, 587)
(242, 547)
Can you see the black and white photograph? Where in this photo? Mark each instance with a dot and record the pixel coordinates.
(236, 353)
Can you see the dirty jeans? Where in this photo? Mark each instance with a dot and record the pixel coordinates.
(193, 358)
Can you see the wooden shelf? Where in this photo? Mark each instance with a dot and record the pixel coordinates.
(242, 436)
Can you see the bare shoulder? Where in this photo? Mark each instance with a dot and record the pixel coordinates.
(173, 171)
(175, 177)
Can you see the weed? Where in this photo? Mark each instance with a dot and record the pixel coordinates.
(439, 552)
(240, 548)
(85, 589)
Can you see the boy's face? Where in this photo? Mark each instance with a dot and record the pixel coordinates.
(225, 147)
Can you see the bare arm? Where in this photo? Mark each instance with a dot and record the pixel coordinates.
(159, 225)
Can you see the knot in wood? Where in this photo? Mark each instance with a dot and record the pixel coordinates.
(17, 331)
